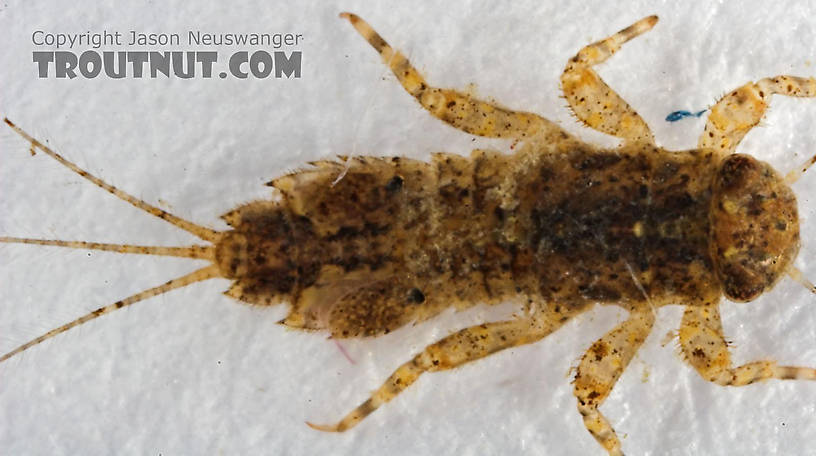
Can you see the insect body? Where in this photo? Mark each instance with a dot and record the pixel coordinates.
(365, 247)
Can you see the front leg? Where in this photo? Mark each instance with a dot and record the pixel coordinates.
(737, 113)
(601, 367)
(705, 348)
(459, 348)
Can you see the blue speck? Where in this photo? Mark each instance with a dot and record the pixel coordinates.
(677, 115)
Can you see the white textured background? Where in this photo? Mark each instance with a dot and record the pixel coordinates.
(192, 372)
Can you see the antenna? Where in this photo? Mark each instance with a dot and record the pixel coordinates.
(797, 275)
(794, 174)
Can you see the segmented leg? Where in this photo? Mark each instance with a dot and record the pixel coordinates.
(736, 113)
(457, 109)
(459, 348)
(594, 102)
(601, 367)
(705, 348)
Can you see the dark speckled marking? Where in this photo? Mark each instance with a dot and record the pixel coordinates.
(416, 296)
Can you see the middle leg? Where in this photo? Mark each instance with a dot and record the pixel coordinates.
(458, 109)
(601, 367)
(595, 103)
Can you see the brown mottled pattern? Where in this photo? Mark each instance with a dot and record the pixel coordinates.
(569, 226)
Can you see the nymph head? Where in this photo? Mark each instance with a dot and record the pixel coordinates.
(754, 227)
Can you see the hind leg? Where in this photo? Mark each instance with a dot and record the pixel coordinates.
(736, 113)
(601, 367)
(705, 348)
(460, 110)
(595, 103)
(459, 348)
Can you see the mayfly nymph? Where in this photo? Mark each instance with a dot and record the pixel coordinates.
(363, 246)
